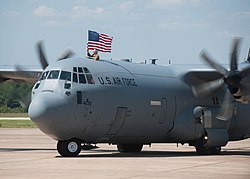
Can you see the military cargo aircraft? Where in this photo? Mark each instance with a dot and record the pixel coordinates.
(79, 101)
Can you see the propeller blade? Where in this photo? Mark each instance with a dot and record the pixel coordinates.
(67, 54)
(221, 69)
(234, 52)
(227, 108)
(25, 74)
(207, 88)
(41, 55)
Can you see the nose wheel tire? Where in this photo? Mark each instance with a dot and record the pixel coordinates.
(69, 148)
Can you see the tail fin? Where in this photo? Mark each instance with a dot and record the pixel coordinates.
(248, 56)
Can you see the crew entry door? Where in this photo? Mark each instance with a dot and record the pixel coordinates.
(118, 121)
(167, 114)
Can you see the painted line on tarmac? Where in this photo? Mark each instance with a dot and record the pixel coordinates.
(14, 118)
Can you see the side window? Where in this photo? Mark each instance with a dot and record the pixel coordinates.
(75, 78)
(82, 78)
(86, 70)
(88, 76)
(37, 85)
(82, 75)
(90, 79)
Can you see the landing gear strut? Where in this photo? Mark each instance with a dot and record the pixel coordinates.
(128, 148)
(207, 150)
(69, 148)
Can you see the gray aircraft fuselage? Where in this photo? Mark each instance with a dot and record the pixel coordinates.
(123, 102)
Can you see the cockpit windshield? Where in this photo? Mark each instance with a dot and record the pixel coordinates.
(53, 74)
(79, 75)
(65, 75)
(44, 75)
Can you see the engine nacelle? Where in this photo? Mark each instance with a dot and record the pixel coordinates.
(241, 94)
(215, 137)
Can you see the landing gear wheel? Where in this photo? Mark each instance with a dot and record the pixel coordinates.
(69, 148)
(207, 150)
(128, 148)
(215, 150)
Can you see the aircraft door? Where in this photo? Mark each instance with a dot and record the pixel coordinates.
(167, 115)
(82, 108)
(117, 123)
(163, 110)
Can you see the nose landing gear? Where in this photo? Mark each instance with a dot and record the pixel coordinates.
(69, 148)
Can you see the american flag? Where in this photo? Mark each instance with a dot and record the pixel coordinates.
(99, 41)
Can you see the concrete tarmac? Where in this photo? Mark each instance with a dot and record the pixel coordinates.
(28, 153)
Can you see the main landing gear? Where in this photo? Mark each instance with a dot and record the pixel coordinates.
(129, 148)
(207, 150)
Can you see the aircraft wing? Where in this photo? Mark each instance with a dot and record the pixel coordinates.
(22, 75)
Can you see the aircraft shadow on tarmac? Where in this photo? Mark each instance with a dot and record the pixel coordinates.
(23, 149)
(147, 154)
(99, 153)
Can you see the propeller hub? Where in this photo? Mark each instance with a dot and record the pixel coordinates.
(232, 80)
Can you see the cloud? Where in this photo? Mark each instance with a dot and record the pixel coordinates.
(45, 11)
(127, 5)
(244, 14)
(79, 11)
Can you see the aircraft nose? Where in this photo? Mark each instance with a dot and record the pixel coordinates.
(48, 111)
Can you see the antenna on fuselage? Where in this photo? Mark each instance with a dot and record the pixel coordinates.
(154, 61)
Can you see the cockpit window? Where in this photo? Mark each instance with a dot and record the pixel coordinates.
(75, 78)
(82, 78)
(65, 75)
(44, 75)
(90, 79)
(86, 70)
(82, 75)
(53, 74)
(80, 70)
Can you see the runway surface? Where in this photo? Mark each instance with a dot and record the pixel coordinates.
(28, 153)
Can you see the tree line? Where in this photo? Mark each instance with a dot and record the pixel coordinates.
(14, 96)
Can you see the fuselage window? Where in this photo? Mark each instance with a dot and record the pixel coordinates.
(37, 85)
(65, 75)
(53, 74)
(75, 78)
(82, 78)
(74, 69)
(44, 75)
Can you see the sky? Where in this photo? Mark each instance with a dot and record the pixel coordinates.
(175, 30)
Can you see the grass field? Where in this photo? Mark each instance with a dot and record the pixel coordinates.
(17, 124)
